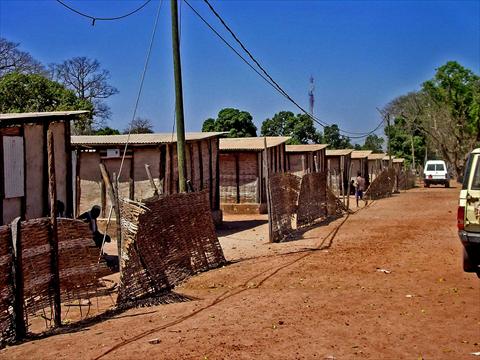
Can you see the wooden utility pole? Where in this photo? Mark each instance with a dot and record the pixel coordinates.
(177, 69)
(387, 116)
(52, 192)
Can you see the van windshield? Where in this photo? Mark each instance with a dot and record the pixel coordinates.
(476, 177)
(440, 167)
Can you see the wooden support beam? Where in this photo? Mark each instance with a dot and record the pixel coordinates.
(2, 183)
(68, 175)
(78, 183)
(53, 238)
(267, 190)
(237, 176)
(150, 178)
(17, 273)
(131, 177)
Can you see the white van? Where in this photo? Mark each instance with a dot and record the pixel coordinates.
(468, 215)
(435, 172)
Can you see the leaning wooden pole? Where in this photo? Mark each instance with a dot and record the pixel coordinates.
(52, 191)
(177, 69)
(267, 189)
(115, 205)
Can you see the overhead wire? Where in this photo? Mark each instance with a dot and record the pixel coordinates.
(98, 18)
(280, 89)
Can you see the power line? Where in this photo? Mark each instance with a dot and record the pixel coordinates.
(318, 121)
(95, 18)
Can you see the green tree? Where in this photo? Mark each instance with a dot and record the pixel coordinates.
(208, 125)
(332, 137)
(34, 93)
(374, 143)
(235, 122)
(443, 116)
(299, 127)
(106, 131)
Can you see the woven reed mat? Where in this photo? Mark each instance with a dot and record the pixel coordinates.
(284, 191)
(312, 200)
(165, 241)
(6, 289)
(382, 186)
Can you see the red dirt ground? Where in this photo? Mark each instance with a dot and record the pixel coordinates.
(321, 297)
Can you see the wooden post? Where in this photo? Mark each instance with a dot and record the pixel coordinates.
(131, 178)
(103, 197)
(115, 204)
(53, 238)
(17, 272)
(150, 178)
(116, 193)
(78, 183)
(348, 186)
(267, 190)
(237, 177)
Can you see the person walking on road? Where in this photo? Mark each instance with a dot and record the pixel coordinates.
(359, 187)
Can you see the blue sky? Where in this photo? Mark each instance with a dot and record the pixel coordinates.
(361, 53)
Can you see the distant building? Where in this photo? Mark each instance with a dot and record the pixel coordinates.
(158, 151)
(242, 173)
(24, 163)
(338, 165)
(375, 165)
(305, 159)
(360, 164)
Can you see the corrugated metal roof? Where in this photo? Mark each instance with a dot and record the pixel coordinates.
(305, 147)
(398, 160)
(251, 143)
(338, 152)
(31, 115)
(360, 154)
(386, 157)
(139, 139)
(376, 156)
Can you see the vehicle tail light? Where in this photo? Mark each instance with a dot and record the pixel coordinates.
(429, 176)
(461, 218)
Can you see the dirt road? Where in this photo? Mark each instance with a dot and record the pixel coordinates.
(384, 283)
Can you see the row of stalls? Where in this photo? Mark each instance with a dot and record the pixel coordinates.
(233, 171)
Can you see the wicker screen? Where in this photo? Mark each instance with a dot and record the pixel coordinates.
(6, 289)
(165, 241)
(284, 191)
(382, 186)
(312, 200)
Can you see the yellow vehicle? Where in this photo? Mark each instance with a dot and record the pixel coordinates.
(468, 215)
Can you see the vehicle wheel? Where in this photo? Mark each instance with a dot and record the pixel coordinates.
(447, 184)
(426, 185)
(468, 265)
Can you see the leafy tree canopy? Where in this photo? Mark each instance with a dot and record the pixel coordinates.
(374, 143)
(441, 120)
(235, 122)
(35, 93)
(106, 131)
(332, 137)
(299, 127)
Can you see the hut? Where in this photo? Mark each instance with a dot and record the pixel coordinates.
(338, 166)
(398, 164)
(386, 160)
(24, 163)
(157, 152)
(360, 164)
(375, 165)
(305, 159)
(242, 173)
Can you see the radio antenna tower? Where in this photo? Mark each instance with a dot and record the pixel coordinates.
(311, 96)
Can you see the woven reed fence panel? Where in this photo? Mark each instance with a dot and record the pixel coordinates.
(335, 206)
(406, 180)
(382, 186)
(312, 200)
(165, 241)
(284, 192)
(6, 288)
